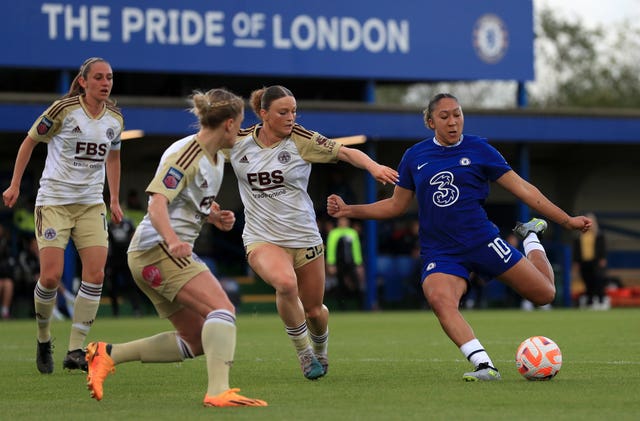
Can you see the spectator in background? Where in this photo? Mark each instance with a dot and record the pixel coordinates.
(344, 261)
(590, 261)
(7, 275)
(28, 268)
(134, 210)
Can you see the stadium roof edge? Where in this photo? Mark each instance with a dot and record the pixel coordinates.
(168, 116)
(46, 99)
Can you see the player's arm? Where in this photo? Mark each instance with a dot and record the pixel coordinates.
(10, 195)
(359, 159)
(159, 215)
(534, 198)
(392, 207)
(113, 179)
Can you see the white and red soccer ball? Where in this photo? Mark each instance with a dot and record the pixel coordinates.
(538, 358)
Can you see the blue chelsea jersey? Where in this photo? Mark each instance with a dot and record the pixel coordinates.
(451, 185)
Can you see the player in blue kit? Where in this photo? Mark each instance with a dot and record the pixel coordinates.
(449, 175)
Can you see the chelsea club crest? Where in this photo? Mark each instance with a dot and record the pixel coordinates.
(490, 38)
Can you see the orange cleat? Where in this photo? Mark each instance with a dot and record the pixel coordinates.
(231, 398)
(100, 366)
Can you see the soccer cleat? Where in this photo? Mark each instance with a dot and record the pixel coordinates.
(323, 359)
(75, 360)
(483, 372)
(231, 398)
(100, 366)
(536, 226)
(311, 367)
(44, 357)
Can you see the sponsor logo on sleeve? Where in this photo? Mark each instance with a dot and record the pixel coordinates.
(172, 178)
(44, 126)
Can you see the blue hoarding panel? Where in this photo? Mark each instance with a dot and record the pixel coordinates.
(399, 40)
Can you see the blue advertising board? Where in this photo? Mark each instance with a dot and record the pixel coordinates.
(408, 40)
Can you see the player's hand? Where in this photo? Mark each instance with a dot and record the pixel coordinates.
(579, 223)
(10, 196)
(116, 212)
(385, 174)
(223, 219)
(179, 249)
(336, 206)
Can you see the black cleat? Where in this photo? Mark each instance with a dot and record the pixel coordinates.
(44, 357)
(75, 360)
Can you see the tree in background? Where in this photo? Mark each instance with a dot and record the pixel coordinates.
(575, 66)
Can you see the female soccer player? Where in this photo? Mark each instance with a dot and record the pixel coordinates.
(449, 175)
(162, 262)
(82, 132)
(272, 161)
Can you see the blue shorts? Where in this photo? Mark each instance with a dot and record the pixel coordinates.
(487, 261)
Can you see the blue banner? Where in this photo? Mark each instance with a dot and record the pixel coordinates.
(409, 40)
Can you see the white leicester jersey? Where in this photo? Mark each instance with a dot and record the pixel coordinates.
(190, 178)
(273, 185)
(77, 149)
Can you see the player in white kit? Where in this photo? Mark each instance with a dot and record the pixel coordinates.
(272, 161)
(180, 286)
(82, 133)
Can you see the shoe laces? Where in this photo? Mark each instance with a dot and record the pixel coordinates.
(483, 366)
(306, 359)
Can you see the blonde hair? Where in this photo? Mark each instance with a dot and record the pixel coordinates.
(215, 106)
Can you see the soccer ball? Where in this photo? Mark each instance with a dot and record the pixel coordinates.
(538, 358)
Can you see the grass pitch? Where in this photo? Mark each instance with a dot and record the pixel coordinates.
(384, 366)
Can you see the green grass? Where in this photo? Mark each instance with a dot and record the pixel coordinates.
(384, 366)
